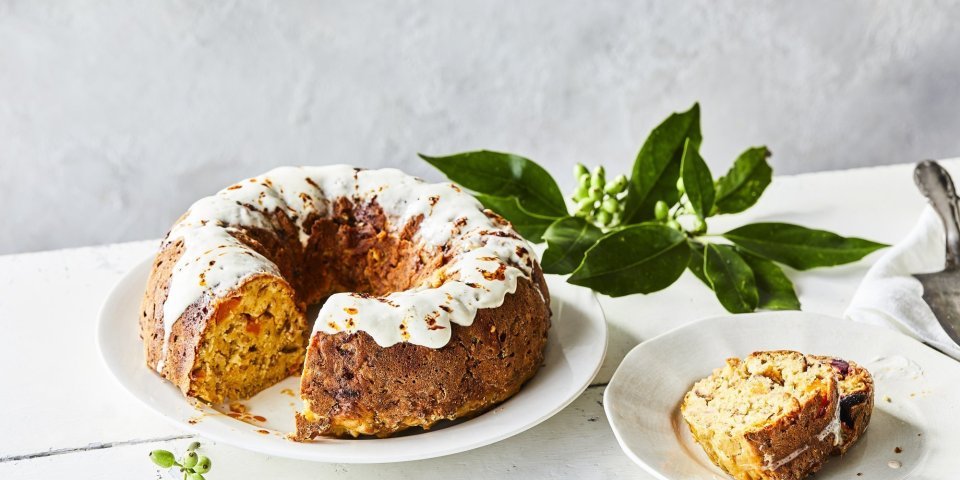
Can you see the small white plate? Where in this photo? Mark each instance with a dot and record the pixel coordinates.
(575, 350)
(642, 401)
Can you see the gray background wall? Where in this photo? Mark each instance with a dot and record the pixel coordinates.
(116, 115)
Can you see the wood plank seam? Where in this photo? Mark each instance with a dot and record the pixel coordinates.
(92, 446)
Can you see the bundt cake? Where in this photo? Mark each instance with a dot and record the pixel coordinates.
(772, 415)
(433, 308)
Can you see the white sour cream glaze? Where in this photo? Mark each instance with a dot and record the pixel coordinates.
(487, 255)
(833, 428)
(771, 465)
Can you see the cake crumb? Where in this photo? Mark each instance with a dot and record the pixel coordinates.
(894, 464)
(887, 399)
(897, 450)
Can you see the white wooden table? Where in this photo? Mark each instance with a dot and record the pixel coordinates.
(63, 416)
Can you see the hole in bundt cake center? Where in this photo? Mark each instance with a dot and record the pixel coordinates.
(354, 249)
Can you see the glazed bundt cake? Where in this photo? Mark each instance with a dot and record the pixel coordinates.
(433, 308)
(772, 415)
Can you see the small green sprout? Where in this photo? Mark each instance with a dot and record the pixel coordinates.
(193, 465)
(162, 458)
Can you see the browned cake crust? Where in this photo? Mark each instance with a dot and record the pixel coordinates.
(232, 347)
(352, 386)
(856, 400)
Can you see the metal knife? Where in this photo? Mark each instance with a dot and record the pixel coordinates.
(941, 290)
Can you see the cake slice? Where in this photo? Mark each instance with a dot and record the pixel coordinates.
(772, 415)
(856, 400)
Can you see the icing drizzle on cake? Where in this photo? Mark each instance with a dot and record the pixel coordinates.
(487, 256)
(833, 428)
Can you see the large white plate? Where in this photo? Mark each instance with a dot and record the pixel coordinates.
(575, 350)
(642, 401)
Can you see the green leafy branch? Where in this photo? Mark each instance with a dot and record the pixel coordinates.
(638, 234)
(192, 465)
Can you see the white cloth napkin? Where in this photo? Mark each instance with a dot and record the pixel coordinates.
(890, 296)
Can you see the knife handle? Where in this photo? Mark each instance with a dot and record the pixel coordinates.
(935, 183)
